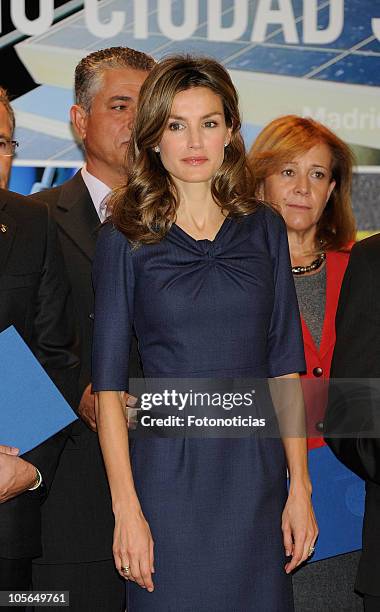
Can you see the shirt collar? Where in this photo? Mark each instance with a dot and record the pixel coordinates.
(98, 192)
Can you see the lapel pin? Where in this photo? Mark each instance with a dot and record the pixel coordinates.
(3, 228)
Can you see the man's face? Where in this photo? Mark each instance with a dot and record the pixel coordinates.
(106, 128)
(6, 134)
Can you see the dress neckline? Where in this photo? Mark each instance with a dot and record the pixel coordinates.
(203, 240)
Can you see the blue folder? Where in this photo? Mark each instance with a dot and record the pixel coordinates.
(338, 500)
(31, 407)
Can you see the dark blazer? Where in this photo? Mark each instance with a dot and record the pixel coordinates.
(34, 297)
(351, 407)
(79, 501)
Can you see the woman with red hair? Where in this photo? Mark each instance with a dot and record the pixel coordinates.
(305, 171)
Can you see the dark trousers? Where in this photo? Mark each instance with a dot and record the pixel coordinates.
(371, 603)
(93, 587)
(15, 575)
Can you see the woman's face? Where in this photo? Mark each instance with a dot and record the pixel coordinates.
(192, 146)
(301, 187)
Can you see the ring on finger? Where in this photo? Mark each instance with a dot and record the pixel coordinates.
(311, 550)
(125, 571)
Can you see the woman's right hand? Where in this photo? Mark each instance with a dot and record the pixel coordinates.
(133, 547)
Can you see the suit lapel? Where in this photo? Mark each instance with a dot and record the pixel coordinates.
(334, 277)
(332, 293)
(76, 215)
(307, 337)
(8, 229)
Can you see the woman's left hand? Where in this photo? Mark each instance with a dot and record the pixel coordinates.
(299, 526)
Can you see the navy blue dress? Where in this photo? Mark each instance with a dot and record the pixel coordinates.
(225, 308)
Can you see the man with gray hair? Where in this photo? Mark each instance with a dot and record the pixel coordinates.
(7, 145)
(107, 84)
(77, 517)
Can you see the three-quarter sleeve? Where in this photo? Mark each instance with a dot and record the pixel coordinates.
(285, 343)
(113, 280)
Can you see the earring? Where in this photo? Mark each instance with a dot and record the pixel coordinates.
(156, 149)
(226, 144)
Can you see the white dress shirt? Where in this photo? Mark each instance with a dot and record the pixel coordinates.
(98, 192)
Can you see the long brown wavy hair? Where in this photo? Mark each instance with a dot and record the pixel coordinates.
(290, 136)
(146, 207)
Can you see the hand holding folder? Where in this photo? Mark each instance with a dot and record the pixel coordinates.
(31, 407)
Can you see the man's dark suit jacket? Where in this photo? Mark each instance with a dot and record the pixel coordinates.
(79, 501)
(34, 297)
(357, 356)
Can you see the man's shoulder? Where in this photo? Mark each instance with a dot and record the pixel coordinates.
(368, 249)
(22, 208)
(74, 187)
(48, 196)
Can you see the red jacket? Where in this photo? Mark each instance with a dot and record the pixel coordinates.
(318, 361)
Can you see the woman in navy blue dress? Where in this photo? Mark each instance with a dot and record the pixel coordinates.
(199, 270)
